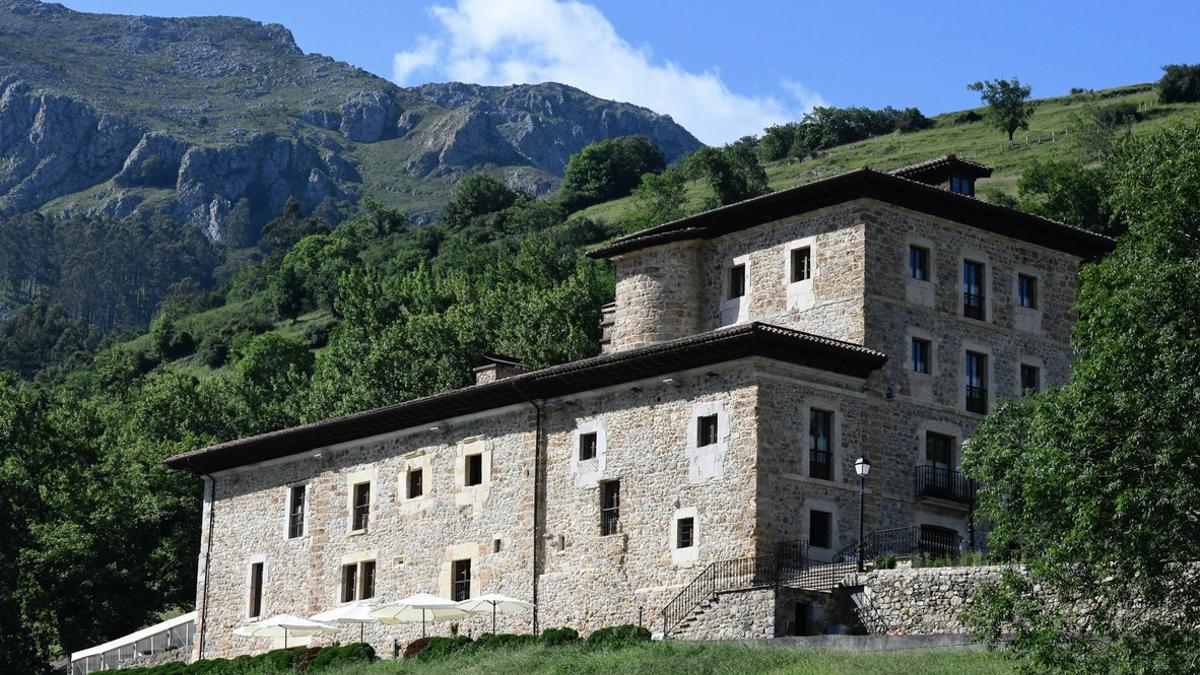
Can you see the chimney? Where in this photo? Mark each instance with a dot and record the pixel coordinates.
(494, 368)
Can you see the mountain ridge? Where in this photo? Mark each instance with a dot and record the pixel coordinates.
(231, 109)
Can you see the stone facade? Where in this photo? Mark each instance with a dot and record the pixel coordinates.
(927, 601)
(533, 527)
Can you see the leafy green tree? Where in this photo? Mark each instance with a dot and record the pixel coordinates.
(609, 169)
(308, 276)
(1094, 485)
(476, 196)
(1008, 106)
(1180, 83)
(659, 199)
(733, 172)
(1068, 192)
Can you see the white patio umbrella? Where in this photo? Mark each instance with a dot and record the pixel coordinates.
(494, 602)
(284, 625)
(359, 613)
(420, 607)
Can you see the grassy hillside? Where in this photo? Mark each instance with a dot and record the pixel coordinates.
(695, 659)
(1048, 138)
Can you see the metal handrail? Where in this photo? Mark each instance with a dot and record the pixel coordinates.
(941, 482)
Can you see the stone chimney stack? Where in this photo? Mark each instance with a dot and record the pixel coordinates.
(493, 368)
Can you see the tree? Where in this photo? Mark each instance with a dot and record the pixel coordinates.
(659, 199)
(477, 195)
(609, 169)
(733, 172)
(1180, 83)
(1008, 108)
(1068, 192)
(1094, 485)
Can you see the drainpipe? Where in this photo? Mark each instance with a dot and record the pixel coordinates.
(210, 486)
(539, 487)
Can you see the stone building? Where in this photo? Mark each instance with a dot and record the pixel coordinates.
(753, 353)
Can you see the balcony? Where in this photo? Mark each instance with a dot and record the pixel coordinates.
(939, 482)
(977, 400)
(973, 306)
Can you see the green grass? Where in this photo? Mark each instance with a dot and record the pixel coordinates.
(694, 659)
(974, 140)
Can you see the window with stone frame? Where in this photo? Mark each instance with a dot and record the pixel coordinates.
(1027, 291)
(610, 507)
(361, 506)
(973, 290)
(349, 582)
(820, 529)
(254, 608)
(296, 501)
(473, 473)
(358, 581)
(737, 281)
(820, 444)
(706, 430)
(918, 263)
(801, 264)
(920, 356)
(975, 382)
(461, 580)
(587, 446)
(939, 456)
(1031, 379)
(685, 532)
(416, 483)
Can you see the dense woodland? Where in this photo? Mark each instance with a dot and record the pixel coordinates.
(324, 316)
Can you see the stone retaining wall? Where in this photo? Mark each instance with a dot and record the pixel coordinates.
(926, 601)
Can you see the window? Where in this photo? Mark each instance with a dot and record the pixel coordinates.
(801, 264)
(918, 263)
(1030, 379)
(820, 444)
(296, 511)
(610, 507)
(706, 430)
(973, 274)
(737, 281)
(474, 470)
(962, 186)
(461, 574)
(416, 483)
(685, 532)
(975, 379)
(939, 453)
(920, 356)
(358, 581)
(587, 446)
(368, 580)
(1027, 291)
(820, 529)
(256, 590)
(362, 506)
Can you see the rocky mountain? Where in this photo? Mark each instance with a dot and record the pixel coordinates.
(120, 115)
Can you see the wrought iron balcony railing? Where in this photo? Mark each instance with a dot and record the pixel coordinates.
(940, 482)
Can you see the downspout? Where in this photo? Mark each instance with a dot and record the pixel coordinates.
(538, 497)
(211, 489)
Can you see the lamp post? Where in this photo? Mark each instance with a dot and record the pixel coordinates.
(862, 467)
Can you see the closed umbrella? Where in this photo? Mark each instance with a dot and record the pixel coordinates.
(494, 602)
(359, 613)
(420, 607)
(284, 626)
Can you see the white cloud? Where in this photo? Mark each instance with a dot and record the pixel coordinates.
(525, 41)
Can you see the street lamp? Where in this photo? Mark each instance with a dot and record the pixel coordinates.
(862, 467)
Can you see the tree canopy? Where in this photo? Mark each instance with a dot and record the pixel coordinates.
(609, 169)
(1008, 106)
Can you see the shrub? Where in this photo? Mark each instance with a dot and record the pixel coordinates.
(618, 636)
(416, 647)
(338, 655)
(1180, 83)
(439, 647)
(504, 640)
(967, 117)
(306, 658)
(886, 562)
(283, 659)
(554, 637)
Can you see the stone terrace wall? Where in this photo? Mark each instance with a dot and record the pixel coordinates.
(925, 601)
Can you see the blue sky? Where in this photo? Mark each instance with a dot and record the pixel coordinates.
(726, 69)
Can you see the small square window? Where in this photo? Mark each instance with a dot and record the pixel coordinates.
(474, 470)
(416, 483)
(461, 574)
(362, 506)
(801, 264)
(1030, 379)
(918, 263)
(587, 446)
(706, 430)
(737, 281)
(685, 532)
(920, 356)
(820, 529)
(1027, 291)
